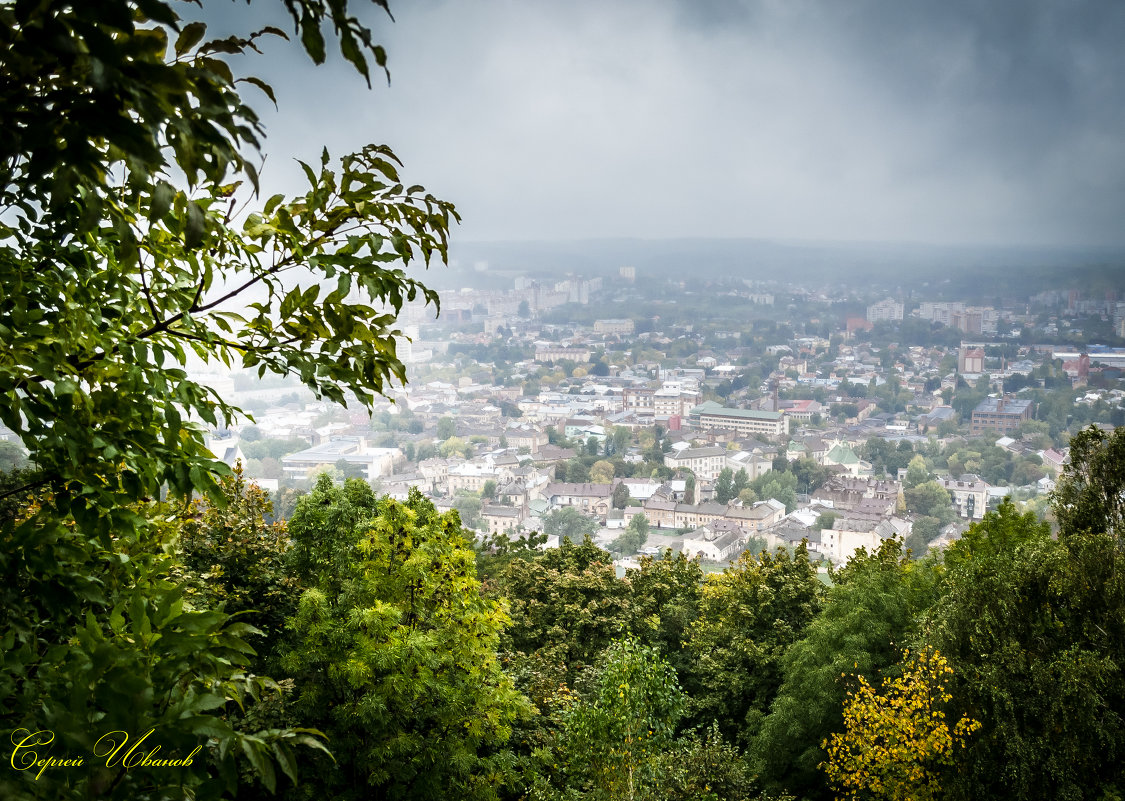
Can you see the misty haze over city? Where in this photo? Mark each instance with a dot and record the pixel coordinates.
(999, 123)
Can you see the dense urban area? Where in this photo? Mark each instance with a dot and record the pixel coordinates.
(712, 419)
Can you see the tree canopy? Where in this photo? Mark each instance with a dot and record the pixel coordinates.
(132, 231)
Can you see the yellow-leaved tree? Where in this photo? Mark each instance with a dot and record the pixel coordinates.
(893, 741)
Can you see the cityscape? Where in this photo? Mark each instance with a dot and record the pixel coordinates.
(789, 414)
(663, 400)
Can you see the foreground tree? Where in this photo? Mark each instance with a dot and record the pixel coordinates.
(567, 605)
(872, 609)
(130, 233)
(1034, 629)
(610, 741)
(232, 558)
(749, 616)
(394, 654)
(665, 594)
(894, 742)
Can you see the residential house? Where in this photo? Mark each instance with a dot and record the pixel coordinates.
(848, 535)
(498, 519)
(693, 515)
(755, 464)
(716, 542)
(969, 494)
(849, 492)
(660, 511)
(590, 498)
(706, 463)
(760, 516)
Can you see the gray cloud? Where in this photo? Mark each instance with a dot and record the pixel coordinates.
(957, 121)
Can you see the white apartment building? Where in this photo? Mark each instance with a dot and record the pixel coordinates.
(885, 311)
(705, 463)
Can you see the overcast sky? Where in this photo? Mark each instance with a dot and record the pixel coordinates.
(959, 121)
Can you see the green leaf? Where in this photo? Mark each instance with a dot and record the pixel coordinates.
(191, 35)
(255, 752)
(312, 39)
(195, 226)
(286, 760)
(265, 87)
(162, 197)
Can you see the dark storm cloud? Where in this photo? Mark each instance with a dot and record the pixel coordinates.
(999, 121)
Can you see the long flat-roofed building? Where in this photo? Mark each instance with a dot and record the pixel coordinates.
(999, 414)
(711, 415)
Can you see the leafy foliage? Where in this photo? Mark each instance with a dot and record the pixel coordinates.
(570, 524)
(566, 606)
(1089, 493)
(872, 609)
(610, 741)
(97, 640)
(634, 536)
(664, 605)
(394, 654)
(235, 561)
(749, 615)
(724, 486)
(620, 497)
(778, 485)
(128, 238)
(702, 766)
(100, 321)
(1034, 629)
(892, 742)
(930, 499)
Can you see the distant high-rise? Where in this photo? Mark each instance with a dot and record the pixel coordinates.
(970, 360)
(885, 311)
(628, 273)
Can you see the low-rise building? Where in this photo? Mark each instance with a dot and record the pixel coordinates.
(706, 463)
(498, 519)
(591, 498)
(969, 494)
(847, 536)
(718, 541)
(372, 462)
(744, 422)
(613, 326)
(551, 354)
(999, 414)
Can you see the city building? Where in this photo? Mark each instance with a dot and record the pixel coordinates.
(1002, 415)
(710, 415)
(705, 463)
(552, 354)
(885, 311)
(613, 326)
(970, 361)
(969, 494)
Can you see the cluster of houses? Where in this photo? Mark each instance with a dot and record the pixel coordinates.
(573, 380)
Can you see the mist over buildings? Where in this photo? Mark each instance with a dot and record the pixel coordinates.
(997, 124)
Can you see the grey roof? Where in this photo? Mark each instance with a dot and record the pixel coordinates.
(1011, 406)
